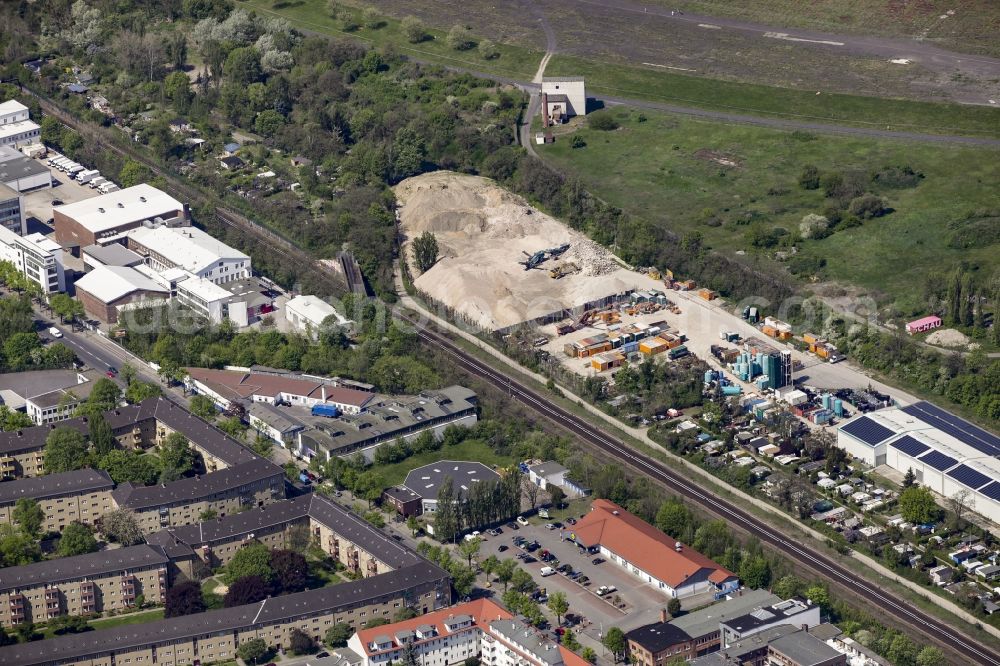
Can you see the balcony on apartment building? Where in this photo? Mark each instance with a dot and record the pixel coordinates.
(128, 589)
(88, 597)
(53, 607)
(17, 610)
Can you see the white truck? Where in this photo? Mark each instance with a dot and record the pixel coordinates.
(108, 188)
(60, 161)
(87, 175)
(98, 181)
(75, 169)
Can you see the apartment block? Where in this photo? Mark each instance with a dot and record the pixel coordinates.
(92, 583)
(80, 496)
(16, 127)
(213, 636)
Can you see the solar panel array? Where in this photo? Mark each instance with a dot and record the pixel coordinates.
(968, 476)
(938, 460)
(959, 428)
(868, 431)
(992, 491)
(909, 446)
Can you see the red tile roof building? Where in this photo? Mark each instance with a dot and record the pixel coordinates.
(480, 628)
(646, 552)
(226, 386)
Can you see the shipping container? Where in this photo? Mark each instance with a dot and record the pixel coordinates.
(678, 352)
(328, 411)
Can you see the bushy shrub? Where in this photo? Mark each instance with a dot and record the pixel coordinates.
(603, 121)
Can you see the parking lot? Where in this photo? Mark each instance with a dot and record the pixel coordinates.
(632, 603)
(38, 204)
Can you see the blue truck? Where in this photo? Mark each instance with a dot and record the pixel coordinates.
(329, 411)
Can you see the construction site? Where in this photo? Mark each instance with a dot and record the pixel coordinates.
(502, 263)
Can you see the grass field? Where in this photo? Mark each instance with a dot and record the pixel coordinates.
(311, 16)
(757, 100)
(519, 62)
(131, 618)
(667, 169)
(972, 27)
(470, 449)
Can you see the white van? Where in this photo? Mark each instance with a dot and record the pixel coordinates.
(548, 571)
(59, 162)
(55, 332)
(108, 188)
(543, 513)
(97, 181)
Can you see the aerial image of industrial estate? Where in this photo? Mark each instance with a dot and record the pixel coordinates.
(499, 333)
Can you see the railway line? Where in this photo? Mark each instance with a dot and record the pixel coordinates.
(935, 630)
(839, 574)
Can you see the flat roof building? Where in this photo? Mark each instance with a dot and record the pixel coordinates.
(946, 453)
(192, 249)
(426, 481)
(112, 254)
(106, 218)
(16, 127)
(227, 386)
(21, 173)
(12, 211)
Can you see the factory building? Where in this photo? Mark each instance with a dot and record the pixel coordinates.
(946, 453)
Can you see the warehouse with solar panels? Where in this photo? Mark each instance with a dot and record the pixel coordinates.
(947, 453)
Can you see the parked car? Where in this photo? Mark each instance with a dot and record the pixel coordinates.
(549, 526)
(521, 520)
(513, 526)
(113, 370)
(548, 571)
(473, 535)
(55, 332)
(502, 548)
(543, 513)
(597, 560)
(322, 655)
(571, 521)
(557, 525)
(583, 580)
(528, 559)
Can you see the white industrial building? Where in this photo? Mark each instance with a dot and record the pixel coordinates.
(20, 173)
(37, 257)
(191, 249)
(107, 218)
(563, 97)
(211, 301)
(946, 453)
(306, 314)
(16, 127)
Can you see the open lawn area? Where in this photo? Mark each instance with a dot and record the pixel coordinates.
(970, 26)
(312, 16)
(619, 80)
(623, 58)
(131, 618)
(470, 449)
(738, 184)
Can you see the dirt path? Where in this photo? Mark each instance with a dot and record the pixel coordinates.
(534, 100)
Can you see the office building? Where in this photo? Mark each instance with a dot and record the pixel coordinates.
(189, 248)
(16, 128)
(12, 211)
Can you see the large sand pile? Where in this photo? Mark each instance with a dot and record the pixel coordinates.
(483, 232)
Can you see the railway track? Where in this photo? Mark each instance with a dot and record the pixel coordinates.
(837, 573)
(934, 629)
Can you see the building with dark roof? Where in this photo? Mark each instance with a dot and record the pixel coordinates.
(801, 648)
(228, 386)
(657, 643)
(751, 650)
(388, 419)
(79, 496)
(226, 491)
(91, 583)
(343, 535)
(214, 635)
(797, 612)
(406, 502)
(426, 481)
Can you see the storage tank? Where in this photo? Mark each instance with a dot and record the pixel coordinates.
(709, 376)
(731, 390)
(827, 398)
(838, 407)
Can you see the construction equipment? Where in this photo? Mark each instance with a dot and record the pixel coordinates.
(558, 250)
(533, 259)
(562, 270)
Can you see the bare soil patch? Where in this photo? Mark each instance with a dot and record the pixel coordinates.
(484, 233)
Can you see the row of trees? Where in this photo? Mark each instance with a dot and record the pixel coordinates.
(483, 503)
